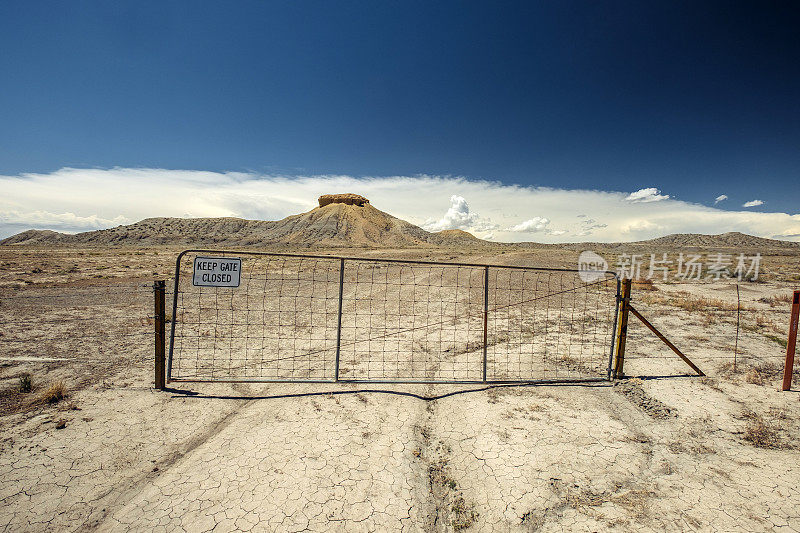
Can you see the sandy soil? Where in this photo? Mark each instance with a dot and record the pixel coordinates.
(660, 450)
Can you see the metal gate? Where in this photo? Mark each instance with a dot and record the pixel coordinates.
(323, 318)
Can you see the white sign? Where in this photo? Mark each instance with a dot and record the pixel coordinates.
(216, 272)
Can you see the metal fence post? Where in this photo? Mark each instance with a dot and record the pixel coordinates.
(791, 343)
(159, 320)
(339, 320)
(622, 330)
(485, 318)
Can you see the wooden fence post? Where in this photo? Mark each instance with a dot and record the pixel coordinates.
(622, 330)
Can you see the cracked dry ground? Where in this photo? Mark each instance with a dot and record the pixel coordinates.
(293, 458)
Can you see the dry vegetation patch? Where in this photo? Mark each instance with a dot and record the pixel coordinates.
(644, 285)
(687, 302)
(762, 433)
(777, 299)
(54, 393)
(768, 373)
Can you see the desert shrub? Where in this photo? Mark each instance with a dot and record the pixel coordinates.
(777, 299)
(762, 321)
(777, 339)
(759, 433)
(766, 373)
(56, 392)
(25, 383)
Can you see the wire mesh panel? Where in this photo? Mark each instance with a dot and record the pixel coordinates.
(419, 322)
(548, 325)
(318, 318)
(280, 323)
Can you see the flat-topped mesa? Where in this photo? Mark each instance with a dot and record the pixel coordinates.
(349, 199)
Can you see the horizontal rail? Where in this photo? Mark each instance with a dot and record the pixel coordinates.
(384, 260)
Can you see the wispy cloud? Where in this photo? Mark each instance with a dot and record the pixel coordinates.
(753, 203)
(588, 226)
(720, 198)
(80, 199)
(650, 194)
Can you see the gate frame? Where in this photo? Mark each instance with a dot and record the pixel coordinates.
(342, 260)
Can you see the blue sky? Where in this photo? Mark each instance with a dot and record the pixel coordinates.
(694, 99)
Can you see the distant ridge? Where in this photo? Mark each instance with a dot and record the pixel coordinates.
(331, 225)
(344, 220)
(733, 239)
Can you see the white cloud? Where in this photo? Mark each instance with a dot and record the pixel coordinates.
(720, 198)
(458, 216)
(650, 194)
(81, 199)
(59, 220)
(533, 225)
(753, 203)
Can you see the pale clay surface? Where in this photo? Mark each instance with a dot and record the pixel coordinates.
(558, 458)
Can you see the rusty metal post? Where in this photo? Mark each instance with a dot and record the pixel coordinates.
(622, 330)
(339, 320)
(792, 343)
(485, 319)
(159, 320)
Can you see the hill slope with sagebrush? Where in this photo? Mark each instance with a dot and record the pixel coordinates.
(339, 222)
(332, 225)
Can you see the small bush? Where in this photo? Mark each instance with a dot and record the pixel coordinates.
(764, 373)
(56, 392)
(780, 340)
(25, 383)
(761, 434)
(778, 299)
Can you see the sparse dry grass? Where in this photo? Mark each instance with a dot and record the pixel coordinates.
(777, 299)
(760, 433)
(54, 393)
(687, 302)
(764, 373)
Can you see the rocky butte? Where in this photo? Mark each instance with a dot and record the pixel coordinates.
(347, 198)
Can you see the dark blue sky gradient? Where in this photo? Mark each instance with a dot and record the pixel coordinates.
(698, 99)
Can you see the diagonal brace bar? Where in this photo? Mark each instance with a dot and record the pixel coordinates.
(665, 340)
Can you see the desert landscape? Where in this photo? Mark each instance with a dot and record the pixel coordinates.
(87, 442)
